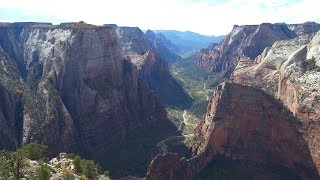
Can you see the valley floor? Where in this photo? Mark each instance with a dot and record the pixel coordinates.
(198, 83)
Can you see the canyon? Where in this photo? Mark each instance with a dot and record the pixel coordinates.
(141, 104)
(151, 61)
(268, 112)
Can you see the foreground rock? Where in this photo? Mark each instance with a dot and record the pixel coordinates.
(242, 123)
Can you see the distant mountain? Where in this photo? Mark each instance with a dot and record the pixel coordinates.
(147, 53)
(189, 41)
(165, 48)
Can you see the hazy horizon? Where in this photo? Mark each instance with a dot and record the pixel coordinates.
(205, 17)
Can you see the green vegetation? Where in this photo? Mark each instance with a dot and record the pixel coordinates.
(175, 115)
(33, 151)
(67, 174)
(133, 156)
(9, 77)
(77, 164)
(42, 172)
(17, 165)
(86, 167)
(11, 163)
(89, 169)
(198, 82)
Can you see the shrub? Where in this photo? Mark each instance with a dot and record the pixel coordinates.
(65, 171)
(77, 164)
(43, 172)
(6, 167)
(45, 160)
(33, 150)
(83, 177)
(12, 162)
(66, 174)
(26, 163)
(89, 169)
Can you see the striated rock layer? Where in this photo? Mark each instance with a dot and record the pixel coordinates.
(69, 87)
(290, 71)
(247, 42)
(242, 123)
(286, 67)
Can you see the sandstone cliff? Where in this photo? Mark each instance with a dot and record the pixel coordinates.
(290, 71)
(137, 48)
(69, 87)
(242, 43)
(242, 123)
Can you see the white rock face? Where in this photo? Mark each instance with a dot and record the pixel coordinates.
(294, 58)
(314, 49)
(134, 45)
(286, 74)
(308, 80)
(51, 45)
(281, 50)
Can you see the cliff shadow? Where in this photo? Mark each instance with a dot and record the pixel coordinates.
(133, 157)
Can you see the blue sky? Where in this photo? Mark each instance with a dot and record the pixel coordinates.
(210, 17)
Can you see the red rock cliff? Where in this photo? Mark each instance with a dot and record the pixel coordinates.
(243, 123)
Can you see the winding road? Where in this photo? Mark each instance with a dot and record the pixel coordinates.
(184, 120)
(162, 144)
(205, 90)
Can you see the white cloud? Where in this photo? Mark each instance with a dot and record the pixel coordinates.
(168, 14)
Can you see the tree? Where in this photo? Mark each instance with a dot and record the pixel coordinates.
(43, 172)
(34, 151)
(77, 164)
(6, 167)
(17, 158)
(89, 169)
(31, 151)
